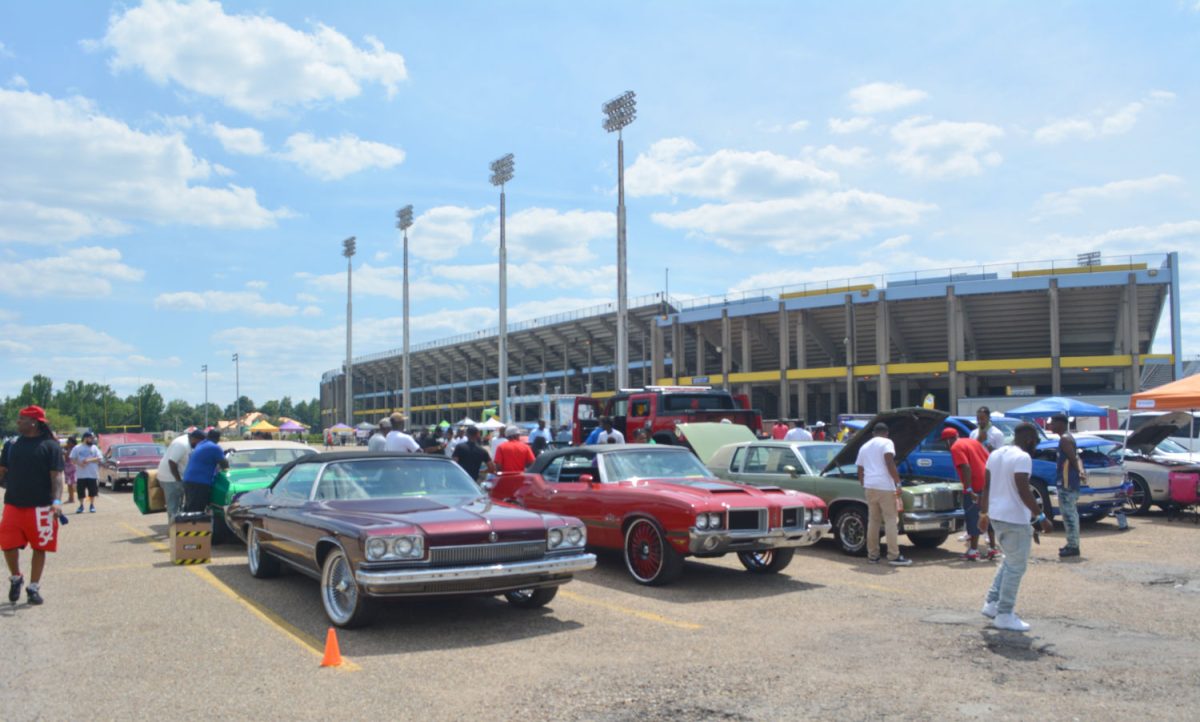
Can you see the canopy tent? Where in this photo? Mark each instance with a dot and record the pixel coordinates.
(466, 421)
(1056, 405)
(444, 424)
(365, 426)
(292, 426)
(492, 423)
(264, 425)
(1183, 394)
(340, 428)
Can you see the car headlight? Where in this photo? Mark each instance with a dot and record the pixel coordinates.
(376, 549)
(920, 501)
(714, 520)
(818, 516)
(555, 538)
(702, 521)
(576, 536)
(566, 537)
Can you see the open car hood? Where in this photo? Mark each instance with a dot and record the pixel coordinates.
(1152, 433)
(705, 437)
(906, 429)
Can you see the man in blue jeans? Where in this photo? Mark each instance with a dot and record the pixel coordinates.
(201, 471)
(1008, 505)
(1069, 477)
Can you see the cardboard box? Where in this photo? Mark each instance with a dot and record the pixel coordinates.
(191, 539)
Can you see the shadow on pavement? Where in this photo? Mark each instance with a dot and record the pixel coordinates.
(700, 581)
(1017, 646)
(400, 625)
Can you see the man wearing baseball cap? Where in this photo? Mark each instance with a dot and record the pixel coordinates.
(31, 469)
(86, 457)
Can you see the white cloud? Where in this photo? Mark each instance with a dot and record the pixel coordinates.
(43, 339)
(441, 232)
(381, 256)
(1072, 201)
(1159, 238)
(256, 285)
(18, 82)
(676, 166)
(71, 172)
(880, 97)
(596, 279)
(250, 62)
(307, 298)
(243, 302)
(335, 158)
(547, 235)
(849, 125)
(88, 272)
(895, 242)
(796, 225)
(311, 311)
(1100, 123)
(944, 149)
(242, 141)
(798, 127)
(385, 282)
(855, 156)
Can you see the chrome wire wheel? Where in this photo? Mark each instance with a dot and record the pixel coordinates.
(756, 561)
(339, 591)
(253, 552)
(644, 551)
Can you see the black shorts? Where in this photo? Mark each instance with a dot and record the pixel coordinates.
(87, 488)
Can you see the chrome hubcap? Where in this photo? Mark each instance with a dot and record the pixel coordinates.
(340, 592)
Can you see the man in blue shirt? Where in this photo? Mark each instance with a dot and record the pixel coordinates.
(201, 471)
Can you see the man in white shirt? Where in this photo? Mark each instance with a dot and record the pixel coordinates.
(542, 433)
(397, 440)
(1008, 505)
(881, 481)
(609, 435)
(798, 432)
(170, 469)
(378, 440)
(986, 432)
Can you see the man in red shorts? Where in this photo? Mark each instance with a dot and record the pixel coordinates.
(31, 469)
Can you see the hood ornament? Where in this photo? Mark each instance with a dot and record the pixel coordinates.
(493, 536)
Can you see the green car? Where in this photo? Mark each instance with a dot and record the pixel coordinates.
(932, 508)
(253, 464)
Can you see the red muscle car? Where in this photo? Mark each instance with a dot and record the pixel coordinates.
(659, 504)
(123, 462)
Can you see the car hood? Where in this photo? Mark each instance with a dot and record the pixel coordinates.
(717, 490)
(1152, 433)
(445, 520)
(705, 437)
(906, 429)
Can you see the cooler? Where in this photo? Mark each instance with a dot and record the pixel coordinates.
(147, 494)
(191, 538)
(1184, 490)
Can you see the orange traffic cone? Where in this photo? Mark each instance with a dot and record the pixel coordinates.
(333, 656)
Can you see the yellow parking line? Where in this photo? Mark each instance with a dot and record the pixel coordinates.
(289, 630)
(648, 616)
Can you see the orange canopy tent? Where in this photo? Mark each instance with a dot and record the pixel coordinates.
(1181, 394)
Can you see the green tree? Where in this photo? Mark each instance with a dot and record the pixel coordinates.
(147, 405)
(178, 415)
(270, 408)
(244, 406)
(214, 414)
(38, 391)
(286, 408)
(60, 422)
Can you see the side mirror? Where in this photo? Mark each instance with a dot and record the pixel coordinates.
(791, 470)
(587, 479)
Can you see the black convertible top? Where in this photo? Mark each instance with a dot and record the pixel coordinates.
(329, 456)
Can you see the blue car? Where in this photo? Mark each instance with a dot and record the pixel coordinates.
(1106, 489)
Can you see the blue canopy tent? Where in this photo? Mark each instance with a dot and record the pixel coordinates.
(1056, 405)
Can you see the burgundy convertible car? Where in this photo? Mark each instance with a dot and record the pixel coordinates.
(397, 525)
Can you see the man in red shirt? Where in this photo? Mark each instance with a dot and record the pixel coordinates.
(779, 430)
(513, 455)
(970, 461)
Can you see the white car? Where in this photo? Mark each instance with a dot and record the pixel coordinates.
(1151, 454)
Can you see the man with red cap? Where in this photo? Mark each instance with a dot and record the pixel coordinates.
(31, 469)
(970, 461)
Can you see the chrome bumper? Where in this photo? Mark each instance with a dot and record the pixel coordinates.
(503, 576)
(722, 541)
(918, 521)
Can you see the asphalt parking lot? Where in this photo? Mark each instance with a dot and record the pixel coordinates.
(125, 634)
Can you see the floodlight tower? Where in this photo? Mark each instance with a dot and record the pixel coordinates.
(502, 172)
(204, 368)
(620, 112)
(404, 221)
(348, 251)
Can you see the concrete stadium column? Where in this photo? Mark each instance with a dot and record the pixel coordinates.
(678, 351)
(785, 358)
(590, 357)
(834, 401)
(801, 363)
(904, 393)
(1055, 340)
(726, 348)
(883, 352)
(747, 359)
(851, 356)
(1132, 341)
(699, 370)
(657, 355)
(953, 343)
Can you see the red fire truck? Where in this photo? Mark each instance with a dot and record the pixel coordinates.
(657, 409)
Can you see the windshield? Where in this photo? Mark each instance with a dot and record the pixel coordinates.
(636, 464)
(818, 456)
(393, 479)
(1009, 425)
(697, 402)
(1166, 446)
(140, 450)
(253, 458)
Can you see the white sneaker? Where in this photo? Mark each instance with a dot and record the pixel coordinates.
(989, 609)
(1010, 622)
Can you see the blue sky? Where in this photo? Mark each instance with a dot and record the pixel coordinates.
(178, 177)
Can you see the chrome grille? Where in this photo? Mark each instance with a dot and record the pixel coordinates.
(795, 518)
(487, 553)
(944, 499)
(747, 520)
